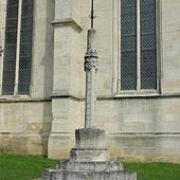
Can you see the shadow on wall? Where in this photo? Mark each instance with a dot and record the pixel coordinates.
(48, 73)
(46, 127)
(46, 63)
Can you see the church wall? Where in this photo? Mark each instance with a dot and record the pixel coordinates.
(68, 115)
(170, 47)
(25, 126)
(139, 126)
(25, 120)
(68, 88)
(42, 66)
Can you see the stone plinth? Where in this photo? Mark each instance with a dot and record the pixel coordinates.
(84, 155)
(90, 146)
(90, 138)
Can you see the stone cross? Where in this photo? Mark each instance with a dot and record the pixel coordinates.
(89, 159)
(90, 66)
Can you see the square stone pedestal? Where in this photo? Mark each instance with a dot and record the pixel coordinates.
(90, 146)
(89, 161)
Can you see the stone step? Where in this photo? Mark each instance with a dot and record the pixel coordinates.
(81, 175)
(89, 154)
(90, 166)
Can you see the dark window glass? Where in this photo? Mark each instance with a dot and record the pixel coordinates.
(9, 66)
(128, 45)
(25, 59)
(148, 45)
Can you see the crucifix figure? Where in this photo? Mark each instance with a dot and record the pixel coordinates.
(90, 67)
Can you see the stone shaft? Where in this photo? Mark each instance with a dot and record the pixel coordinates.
(90, 67)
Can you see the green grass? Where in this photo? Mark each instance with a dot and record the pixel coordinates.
(20, 167)
(155, 171)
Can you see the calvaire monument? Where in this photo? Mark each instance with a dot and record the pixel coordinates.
(89, 160)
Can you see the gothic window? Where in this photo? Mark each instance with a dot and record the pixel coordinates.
(138, 45)
(18, 47)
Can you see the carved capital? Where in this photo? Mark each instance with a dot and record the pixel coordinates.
(91, 60)
(1, 50)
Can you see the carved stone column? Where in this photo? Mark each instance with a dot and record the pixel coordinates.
(90, 66)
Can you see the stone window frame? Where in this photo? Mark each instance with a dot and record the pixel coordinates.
(3, 33)
(116, 52)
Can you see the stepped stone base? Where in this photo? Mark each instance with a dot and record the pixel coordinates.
(89, 161)
(75, 170)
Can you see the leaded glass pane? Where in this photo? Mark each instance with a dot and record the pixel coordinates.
(128, 3)
(9, 66)
(148, 45)
(128, 45)
(25, 47)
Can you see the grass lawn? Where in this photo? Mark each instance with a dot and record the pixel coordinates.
(155, 171)
(19, 167)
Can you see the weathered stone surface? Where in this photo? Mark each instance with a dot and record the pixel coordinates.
(90, 145)
(90, 138)
(29, 131)
(66, 175)
(89, 155)
(90, 166)
(70, 170)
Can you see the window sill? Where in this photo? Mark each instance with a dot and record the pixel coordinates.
(141, 93)
(145, 95)
(132, 95)
(20, 99)
(19, 96)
